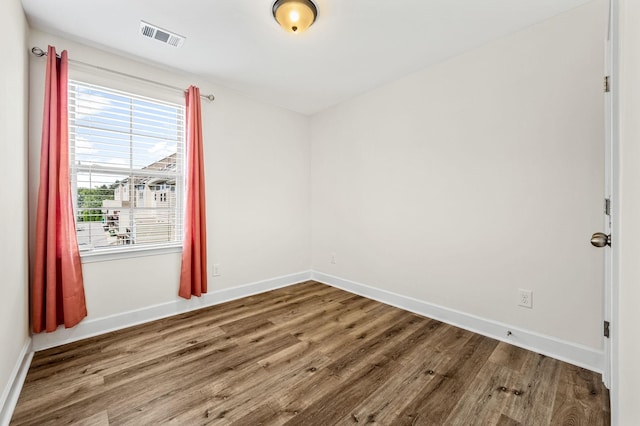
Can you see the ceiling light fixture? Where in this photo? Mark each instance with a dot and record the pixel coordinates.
(295, 16)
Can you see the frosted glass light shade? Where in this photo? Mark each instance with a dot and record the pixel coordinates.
(295, 16)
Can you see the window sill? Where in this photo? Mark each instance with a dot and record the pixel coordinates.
(106, 255)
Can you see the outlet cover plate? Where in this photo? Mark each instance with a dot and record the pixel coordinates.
(525, 298)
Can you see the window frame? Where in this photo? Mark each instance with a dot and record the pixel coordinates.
(107, 253)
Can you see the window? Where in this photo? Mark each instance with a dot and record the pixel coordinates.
(124, 147)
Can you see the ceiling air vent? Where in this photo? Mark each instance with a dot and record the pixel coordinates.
(157, 33)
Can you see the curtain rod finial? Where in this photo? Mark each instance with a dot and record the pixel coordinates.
(38, 52)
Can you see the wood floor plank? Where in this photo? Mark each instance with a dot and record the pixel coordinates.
(263, 415)
(110, 360)
(370, 347)
(233, 395)
(421, 360)
(507, 421)
(190, 375)
(384, 405)
(335, 347)
(307, 354)
(59, 396)
(509, 356)
(435, 402)
(538, 388)
(422, 334)
(98, 419)
(329, 409)
(579, 399)
(485, 397)
(232, 399)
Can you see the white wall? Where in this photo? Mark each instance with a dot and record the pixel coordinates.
(456, 185)
(463, 182)
(257, 177)
(626, 325)
(14, 323)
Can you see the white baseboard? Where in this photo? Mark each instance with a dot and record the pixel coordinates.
(582, 356)
(572, 353)
(11, 392)
(97, 326)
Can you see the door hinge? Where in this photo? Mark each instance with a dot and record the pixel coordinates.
(607, 206)
(607, 83)
(606, 328)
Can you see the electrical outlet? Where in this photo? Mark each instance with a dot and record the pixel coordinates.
(216, 270)
(525, 298)
(333, 259)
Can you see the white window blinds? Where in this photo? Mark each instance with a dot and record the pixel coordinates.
(127, 167)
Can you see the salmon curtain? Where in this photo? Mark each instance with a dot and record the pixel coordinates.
(57, 294)
(193, 273)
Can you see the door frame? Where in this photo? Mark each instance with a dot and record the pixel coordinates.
(611, 288)
(610, 193)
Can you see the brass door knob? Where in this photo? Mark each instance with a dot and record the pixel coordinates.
(600, 239)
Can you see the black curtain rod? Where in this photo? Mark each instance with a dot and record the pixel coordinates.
(39, 52)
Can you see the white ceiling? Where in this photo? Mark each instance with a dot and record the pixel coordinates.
(354, 46)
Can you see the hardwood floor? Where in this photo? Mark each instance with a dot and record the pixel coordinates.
(307, 354)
